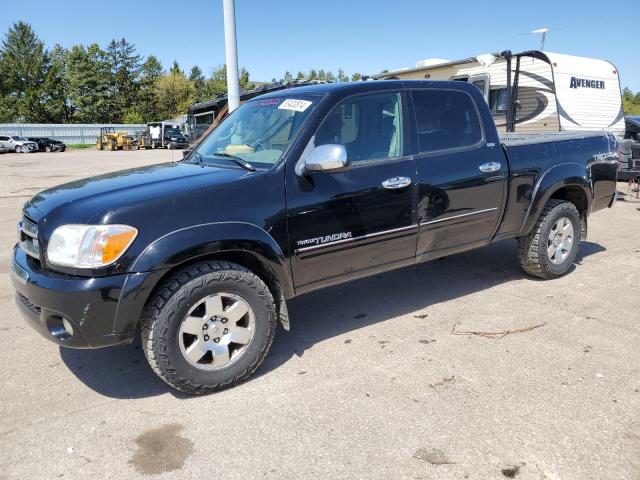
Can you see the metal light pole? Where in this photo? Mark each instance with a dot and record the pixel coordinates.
(231, 54)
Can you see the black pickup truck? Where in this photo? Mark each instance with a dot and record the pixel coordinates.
(294, 191)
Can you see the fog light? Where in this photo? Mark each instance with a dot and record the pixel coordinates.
(67, 327)
(60, 328)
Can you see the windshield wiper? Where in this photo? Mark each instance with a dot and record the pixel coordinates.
(198, 156)
(243, 163)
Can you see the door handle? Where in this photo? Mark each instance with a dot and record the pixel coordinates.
(490, 167)
(396, 182)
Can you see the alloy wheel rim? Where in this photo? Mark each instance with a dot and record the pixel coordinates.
(560, 240)
(217, 331)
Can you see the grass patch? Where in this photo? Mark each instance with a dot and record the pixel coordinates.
(76, 146)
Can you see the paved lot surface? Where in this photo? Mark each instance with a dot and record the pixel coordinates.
(370, 383)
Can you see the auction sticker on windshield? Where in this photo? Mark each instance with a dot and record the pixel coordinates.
(295, 105)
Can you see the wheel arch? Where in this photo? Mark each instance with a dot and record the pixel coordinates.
(241, 243)
(569, 182)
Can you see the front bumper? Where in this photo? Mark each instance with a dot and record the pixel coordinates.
(74, 312)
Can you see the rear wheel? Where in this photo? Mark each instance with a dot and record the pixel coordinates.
(551, 248)
(208, 327)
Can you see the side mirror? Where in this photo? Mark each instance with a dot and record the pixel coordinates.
(326, 158)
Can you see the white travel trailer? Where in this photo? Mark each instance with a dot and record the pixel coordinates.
(550, 92)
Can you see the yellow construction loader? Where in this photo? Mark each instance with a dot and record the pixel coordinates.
(112, 140)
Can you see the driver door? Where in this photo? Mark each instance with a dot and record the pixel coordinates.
(362, 218)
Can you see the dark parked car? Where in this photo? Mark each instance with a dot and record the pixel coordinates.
(294, 191)
(48, 145)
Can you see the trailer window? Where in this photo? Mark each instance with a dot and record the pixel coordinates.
(445, 119)
(498, 100)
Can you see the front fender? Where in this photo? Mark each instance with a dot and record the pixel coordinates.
(552, 180)
(187, 244)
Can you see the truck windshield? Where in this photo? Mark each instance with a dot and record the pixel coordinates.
(258, 131)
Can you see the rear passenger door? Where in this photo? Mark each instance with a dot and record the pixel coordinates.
(461, 178)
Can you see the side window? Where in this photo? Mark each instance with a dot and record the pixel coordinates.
(445, 119)
(4, 139)
(369, 126)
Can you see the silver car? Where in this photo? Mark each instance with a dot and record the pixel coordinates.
(16, 143)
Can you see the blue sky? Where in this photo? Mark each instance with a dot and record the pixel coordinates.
(355, 35)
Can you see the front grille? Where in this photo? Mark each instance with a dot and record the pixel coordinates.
(28, 237)
(31, 306)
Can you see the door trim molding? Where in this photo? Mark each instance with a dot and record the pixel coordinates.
(355, 239)
(462, 215)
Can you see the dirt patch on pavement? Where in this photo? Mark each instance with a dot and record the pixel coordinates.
(161, 450)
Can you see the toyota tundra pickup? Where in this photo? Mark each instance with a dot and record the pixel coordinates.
(296, 190)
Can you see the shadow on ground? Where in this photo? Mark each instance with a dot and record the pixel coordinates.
(122, 372)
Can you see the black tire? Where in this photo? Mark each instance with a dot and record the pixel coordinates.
(171, 302)
(47, 149)
(532, 249)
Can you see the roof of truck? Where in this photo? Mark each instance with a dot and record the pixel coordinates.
(364, 86)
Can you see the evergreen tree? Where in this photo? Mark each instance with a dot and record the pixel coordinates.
(342, 77)
(124, 65)
(356, 77)
(175, 68)
(300, 75)
(25, 64)
(89, 90)
(146, 106)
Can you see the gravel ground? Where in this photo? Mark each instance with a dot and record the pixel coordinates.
(370, 383)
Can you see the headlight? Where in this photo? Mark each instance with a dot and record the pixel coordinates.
(89, 246)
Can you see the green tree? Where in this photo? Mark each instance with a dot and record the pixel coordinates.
(356, 77)
(147, 106)
(300, 75)
(174, 94)
(56, 87)
(25, 65)
(175, 68)
(124, 65)
(630, 102)
(88, 79)
(342, 77)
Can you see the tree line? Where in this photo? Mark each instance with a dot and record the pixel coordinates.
(111, 84)
(631, 102)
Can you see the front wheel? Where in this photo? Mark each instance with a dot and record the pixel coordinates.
(208, 327)
(47, 149)
(19, 149)
(551, 248)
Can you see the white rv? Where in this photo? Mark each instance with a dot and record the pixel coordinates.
(551, 92)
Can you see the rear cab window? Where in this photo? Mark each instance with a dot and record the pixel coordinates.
(445, 119)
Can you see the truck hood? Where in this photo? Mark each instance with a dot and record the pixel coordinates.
(129, 185)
